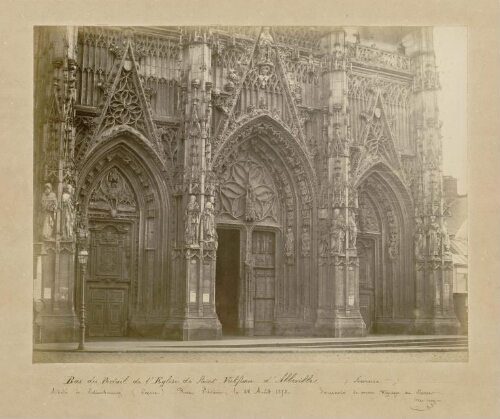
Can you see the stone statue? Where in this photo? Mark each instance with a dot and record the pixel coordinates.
(249, 265)
(353, 231)
(289, 241)
(418, 238)
(266, 38)
(337, 232)
(192, 221)
(48, 212)
(434, 237)
(323, 244)
(250, 214)
(446, 238)
(208, 221)
(306, 242)
(264, 75)
(68, 212)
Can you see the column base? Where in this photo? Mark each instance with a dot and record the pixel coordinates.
(192, 329)
(294, 327)
(436, 326)
(397, 326)
(140, 327)
(331, 324)
(56, 328)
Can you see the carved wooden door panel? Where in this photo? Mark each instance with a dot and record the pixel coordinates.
(107, 312)
(366, 254)
(263, 246)
(109, 277)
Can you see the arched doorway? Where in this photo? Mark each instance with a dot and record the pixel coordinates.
(384, 246)
(249, 219)
(125, 200)
(265, 216)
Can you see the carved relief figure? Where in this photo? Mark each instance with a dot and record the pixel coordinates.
(393, 244)
(48, 210)
(250, 214)
(266, 44)
(323, 244)
(192, 221)
(113, 193)
(68, 212)
(418, 238)
(434, 237)
(337, 232)
(306, 242)
(289, 241)
(353, 231)
(264, 75)
(249, 264)
(208, 221)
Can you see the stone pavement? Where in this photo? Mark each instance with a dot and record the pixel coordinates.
(270, 349)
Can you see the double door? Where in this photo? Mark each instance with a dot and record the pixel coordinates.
(109, 277)
(107, 311)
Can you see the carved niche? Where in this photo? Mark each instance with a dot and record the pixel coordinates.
(247, 191)
(114, 194)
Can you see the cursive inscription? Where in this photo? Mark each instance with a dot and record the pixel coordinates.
(359, 388)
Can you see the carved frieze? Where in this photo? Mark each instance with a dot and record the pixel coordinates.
(374, 57)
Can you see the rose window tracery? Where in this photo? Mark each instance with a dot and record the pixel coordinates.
(247, 191)
(124, 107)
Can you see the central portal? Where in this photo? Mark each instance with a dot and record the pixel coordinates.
(227, 277)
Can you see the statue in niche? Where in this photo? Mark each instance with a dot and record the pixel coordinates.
(289, 241)
(209, 221)
(306, 242)
(434, 237)
(446, 238)
(250, 211)
(337, 232)
(353, 231)
(68, 212)
(264, 75)
(48, 210)
(192, 221)
(418, 238)
(323, 244)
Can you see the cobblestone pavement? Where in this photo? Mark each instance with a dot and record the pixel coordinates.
(158, 357)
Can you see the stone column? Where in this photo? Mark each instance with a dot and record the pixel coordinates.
(339, 316)
(192, 297)
(55, 215)
(434, 313)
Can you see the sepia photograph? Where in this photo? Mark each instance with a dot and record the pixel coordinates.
(249, 210)
(273, 193)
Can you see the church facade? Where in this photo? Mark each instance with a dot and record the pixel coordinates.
(195, 181)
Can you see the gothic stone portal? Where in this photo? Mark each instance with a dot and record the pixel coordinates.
(267, 136)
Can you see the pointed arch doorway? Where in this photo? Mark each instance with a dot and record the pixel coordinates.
(384, 248)
(249, 226)
(125, 200)
(113, 224)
